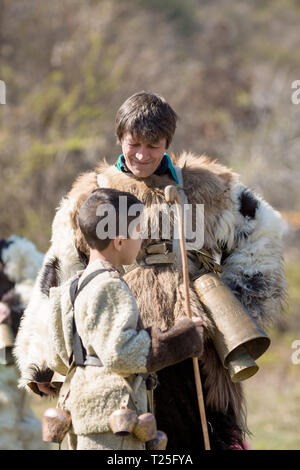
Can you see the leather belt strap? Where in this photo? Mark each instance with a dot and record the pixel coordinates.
(159, 248)
(93, 361)
(156, 253)
(208, 262)
(79, 352)
(161, 258)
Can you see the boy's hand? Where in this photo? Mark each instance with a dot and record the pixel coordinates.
(47, 388)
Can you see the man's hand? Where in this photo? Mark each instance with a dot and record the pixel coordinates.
(199, 326)
(198, 321)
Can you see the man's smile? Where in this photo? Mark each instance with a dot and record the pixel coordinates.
(136, 162)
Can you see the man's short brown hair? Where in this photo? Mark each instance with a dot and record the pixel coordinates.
(147, 116)
(89, 217)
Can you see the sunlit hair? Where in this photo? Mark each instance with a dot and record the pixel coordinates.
(89, 218)
(148, 117)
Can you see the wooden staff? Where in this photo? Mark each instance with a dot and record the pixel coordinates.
(171, 195)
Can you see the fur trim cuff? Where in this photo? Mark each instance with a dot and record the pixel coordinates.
(167, 348)
(37, 374)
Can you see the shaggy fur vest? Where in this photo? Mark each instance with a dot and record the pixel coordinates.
(238, 225)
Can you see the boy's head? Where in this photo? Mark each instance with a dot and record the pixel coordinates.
(111, 218)
(145, 125)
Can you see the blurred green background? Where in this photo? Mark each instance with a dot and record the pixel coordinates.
(227, 69)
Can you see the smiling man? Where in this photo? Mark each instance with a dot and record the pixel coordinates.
(241, 232)
(144, 146)
(141, 158)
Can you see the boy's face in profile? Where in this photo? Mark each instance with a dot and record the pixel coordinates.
(142, 158)
(129, 250)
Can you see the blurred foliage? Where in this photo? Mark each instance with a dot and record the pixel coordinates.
(225, 67)
(183, 14)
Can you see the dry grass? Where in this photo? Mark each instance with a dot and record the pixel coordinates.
(273, 397)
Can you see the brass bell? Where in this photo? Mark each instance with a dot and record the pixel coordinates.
(145, 429)
(56, 423)
(159, 442)
(241, 365)
(123, 421)
(238, 339)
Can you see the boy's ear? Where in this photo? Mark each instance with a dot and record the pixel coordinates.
(118, 242)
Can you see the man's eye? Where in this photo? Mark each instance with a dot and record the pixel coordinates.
(134, 145)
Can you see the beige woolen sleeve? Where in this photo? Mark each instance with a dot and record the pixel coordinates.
(31, 343)
(111, 324)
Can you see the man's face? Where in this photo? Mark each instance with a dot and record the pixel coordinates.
(142, 158)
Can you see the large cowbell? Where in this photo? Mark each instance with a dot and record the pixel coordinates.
(238, 339)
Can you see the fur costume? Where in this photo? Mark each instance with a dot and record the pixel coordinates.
(20, 263)
(246, 233)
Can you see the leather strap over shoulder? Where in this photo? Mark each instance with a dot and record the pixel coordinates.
(79, 352)
(74, 290)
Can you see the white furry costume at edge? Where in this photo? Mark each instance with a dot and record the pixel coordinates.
(19, 428)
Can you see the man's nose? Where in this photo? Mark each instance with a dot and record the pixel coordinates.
(142, 154)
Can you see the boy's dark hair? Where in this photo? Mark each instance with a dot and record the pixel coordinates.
(146, 116)
(88, 219)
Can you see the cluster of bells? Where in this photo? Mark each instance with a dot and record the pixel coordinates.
(123, 422)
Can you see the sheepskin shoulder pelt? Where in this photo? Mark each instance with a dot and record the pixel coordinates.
(247, 232)
(60, 263)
